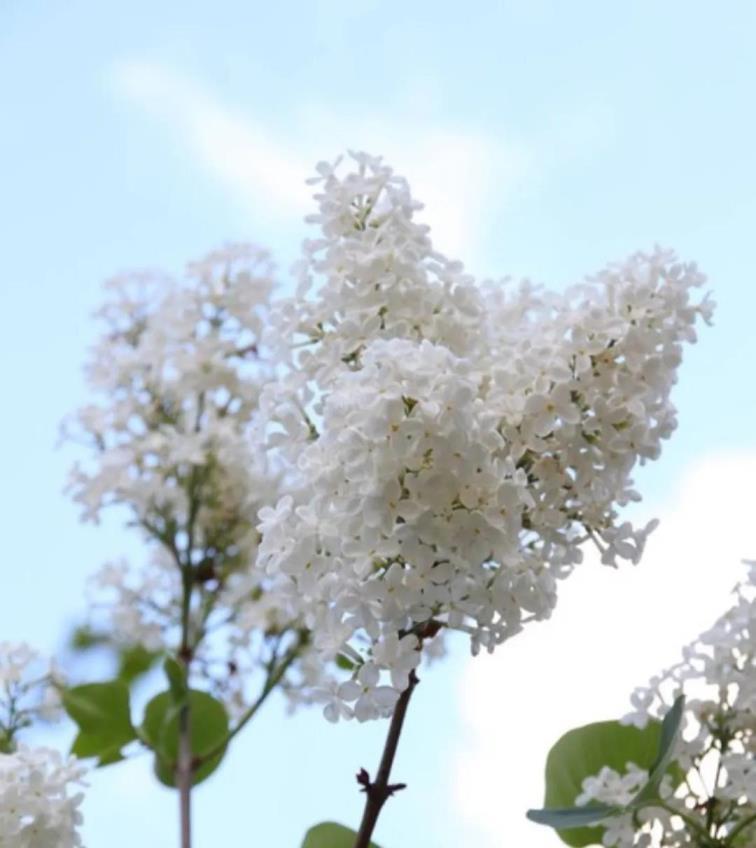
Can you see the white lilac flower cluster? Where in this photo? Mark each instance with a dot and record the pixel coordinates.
(39, 799)
(639, 828)
(450, 445)
(717, 752)
(28, 690)
(179, 373)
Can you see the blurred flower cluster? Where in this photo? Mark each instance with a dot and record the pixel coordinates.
(714, 802)
(39, 799)
(38, 796)
(29, 687)
(179, 372)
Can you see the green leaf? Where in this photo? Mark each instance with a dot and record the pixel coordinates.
(670, 730)
(572, 817)
(583, 752)
(176, 675)
(134, 661)
(103, 715)
(345, 663)
(6, 743)
(331, 835)
(83, 639)
(208, 731)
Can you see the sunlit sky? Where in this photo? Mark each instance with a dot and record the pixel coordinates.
(545, 139)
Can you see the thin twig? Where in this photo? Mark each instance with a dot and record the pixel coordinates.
(184, 776)
(273, 679)
(184, 769)
(377, 792)
(694, 826)
(740, 827)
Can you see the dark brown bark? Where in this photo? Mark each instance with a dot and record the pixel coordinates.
(378, 791)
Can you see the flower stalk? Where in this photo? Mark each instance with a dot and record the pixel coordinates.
(184, 764)
(377, 792)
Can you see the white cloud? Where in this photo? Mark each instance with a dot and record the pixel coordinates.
(611, 632)
(249, 161)
(463, 176)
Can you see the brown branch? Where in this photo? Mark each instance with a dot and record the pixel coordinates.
(380, 790)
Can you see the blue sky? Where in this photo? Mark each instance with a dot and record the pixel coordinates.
(546, 139)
